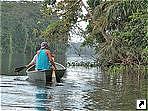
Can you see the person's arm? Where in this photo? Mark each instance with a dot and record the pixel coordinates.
(32, 62)
(51, 58)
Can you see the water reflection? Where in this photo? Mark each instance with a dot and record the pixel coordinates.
(82, 89)
(116, 92)
(10, 61)
(42, 98)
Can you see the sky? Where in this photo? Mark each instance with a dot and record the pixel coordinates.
(74, 38)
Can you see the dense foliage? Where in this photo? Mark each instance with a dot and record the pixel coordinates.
(21, 23)
(67, 12)
(117, 30)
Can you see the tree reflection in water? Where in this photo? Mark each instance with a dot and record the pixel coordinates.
(118, 91)
(42, 99)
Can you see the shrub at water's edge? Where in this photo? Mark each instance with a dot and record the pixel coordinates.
(117, 30)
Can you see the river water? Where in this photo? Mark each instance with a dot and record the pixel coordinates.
(82, 89)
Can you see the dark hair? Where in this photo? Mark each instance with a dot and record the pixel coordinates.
(44, 45)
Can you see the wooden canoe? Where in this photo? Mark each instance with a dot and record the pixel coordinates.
(45, 76)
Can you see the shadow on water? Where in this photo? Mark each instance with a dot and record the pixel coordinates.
(82, 89)
(42, 98)
(116, 92)
(18, 94)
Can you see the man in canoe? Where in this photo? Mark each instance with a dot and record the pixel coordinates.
(43, 60)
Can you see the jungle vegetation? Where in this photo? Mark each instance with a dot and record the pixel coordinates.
(21, 24)
(117, 30)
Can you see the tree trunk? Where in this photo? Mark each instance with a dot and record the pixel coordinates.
(0, 53)
(10, 52)
(26, 41)
(0, 46)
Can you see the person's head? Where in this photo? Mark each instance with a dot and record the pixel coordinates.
(44, 45)
(37, 47)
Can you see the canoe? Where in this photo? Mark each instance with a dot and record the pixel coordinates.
(45, 76)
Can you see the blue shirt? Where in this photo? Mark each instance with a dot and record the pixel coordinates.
(42, 60)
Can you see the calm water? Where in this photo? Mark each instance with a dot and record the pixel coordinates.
(82, 89)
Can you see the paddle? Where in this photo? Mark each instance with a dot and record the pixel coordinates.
(18, 69)
(54, 81)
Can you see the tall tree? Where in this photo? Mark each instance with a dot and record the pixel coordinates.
(117, 29)
(21, 19)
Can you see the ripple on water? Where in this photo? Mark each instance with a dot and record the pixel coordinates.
(82, 89)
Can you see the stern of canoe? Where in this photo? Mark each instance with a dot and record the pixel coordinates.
(45, 76)
(59, 75)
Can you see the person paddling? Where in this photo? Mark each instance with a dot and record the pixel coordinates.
(43, 59)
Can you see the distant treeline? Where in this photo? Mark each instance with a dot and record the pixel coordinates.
(21, 23)
(76, 49)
